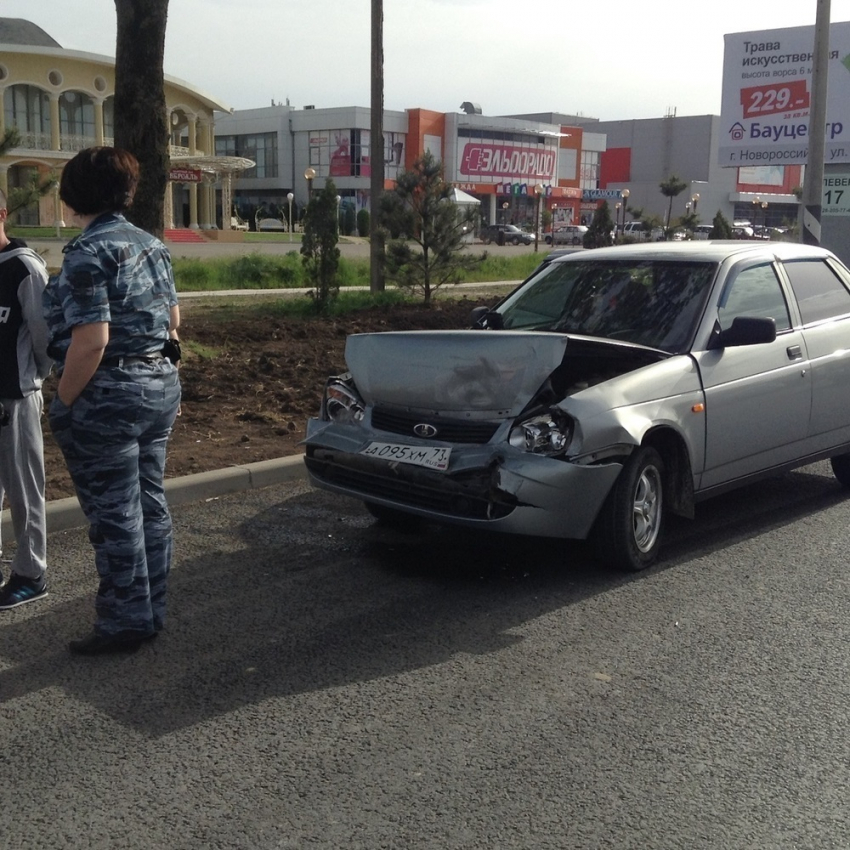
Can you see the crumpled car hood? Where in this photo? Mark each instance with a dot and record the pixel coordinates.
(479, 373)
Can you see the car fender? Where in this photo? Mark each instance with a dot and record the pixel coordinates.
(616, 415)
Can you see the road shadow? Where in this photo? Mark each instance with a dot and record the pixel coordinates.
(314, 595)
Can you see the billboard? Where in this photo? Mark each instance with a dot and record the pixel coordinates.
(767, 80)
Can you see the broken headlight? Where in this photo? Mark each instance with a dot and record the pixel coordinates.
(545, 434)
(341, 403)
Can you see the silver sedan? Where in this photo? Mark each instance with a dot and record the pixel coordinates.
(613, 387)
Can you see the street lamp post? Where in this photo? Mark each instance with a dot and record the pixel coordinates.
(338, 200)
(756, 206)
(554, 208)
(616, 218)
(625, 195)
(309, 174)
(289, 198)
(505, 206)
(539, 189)
(695, 201)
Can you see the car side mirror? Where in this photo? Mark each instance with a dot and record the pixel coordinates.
(484, 317)
(745, 330)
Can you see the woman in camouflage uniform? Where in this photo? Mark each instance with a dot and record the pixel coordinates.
(113, 318)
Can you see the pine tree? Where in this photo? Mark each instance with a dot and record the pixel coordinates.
(319, 252)
(720, 227)
(601, 227)
(420, 211)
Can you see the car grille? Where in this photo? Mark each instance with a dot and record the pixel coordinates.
(448, 430)
(468, 500)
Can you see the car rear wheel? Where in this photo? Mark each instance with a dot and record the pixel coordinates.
(515, 240)
(392, 517)
(628, 529)
(841, 469)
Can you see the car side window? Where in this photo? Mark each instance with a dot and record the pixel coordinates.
(820, 293)
(754, 292)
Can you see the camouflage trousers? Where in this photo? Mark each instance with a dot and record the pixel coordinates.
(114, 439)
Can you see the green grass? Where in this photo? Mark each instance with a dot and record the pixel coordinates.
(261, 271)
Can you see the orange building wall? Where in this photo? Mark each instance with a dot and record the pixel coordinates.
(421, 123)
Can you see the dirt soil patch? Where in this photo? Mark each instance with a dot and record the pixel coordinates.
(250, 398)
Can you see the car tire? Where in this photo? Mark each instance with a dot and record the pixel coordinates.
(486, 240)
(841, 469)
(548, 240)
(392, 517)
(628, 530)
(576, 240)
(515, 240)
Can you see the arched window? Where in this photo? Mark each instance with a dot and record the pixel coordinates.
(76, 121)
(27, 108)
(109, 121)
(21, 176)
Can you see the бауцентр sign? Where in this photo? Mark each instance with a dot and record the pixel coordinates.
(767, 86)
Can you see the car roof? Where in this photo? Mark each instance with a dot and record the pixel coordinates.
(706, 250)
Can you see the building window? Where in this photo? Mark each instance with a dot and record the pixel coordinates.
(109, 121)
(27, 108)
(76, 121)
(21, 176)
(589, 173)
(259, 147)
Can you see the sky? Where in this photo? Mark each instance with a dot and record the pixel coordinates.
(606, 59)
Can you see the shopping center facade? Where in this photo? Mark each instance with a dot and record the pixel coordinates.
(249, 160)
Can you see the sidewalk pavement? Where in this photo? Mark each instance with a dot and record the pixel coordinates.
(63, 514)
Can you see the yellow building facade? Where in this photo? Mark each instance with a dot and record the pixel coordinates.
(61, 101)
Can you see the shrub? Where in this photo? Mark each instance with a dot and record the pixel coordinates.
(363, 223)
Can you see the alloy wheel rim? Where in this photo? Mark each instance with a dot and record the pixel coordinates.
(646, 510)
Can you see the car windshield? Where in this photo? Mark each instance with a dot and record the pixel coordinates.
(650, 302)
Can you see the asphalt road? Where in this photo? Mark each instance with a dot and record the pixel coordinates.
(326, 683)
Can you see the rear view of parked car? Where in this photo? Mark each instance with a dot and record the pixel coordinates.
(612, 388)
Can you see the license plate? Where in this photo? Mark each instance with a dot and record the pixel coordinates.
(432, 457)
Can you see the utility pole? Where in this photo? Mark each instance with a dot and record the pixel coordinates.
(376, 150)
(810, 212)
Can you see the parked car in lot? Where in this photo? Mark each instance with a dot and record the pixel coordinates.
(703, 231)
(610, 389)
(505, 234)
(568, 234)
(638, 230)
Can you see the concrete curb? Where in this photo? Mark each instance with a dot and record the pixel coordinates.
(63, 514)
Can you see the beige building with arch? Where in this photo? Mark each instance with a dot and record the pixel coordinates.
(61, 101)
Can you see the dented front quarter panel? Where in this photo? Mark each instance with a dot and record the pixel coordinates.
(621, 412)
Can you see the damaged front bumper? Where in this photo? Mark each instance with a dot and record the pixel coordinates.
(493, 487)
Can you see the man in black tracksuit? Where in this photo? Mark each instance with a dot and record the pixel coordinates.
(24, 363)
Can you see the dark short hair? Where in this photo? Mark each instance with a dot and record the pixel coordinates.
(99, 180)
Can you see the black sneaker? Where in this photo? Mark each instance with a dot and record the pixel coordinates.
(19, 590)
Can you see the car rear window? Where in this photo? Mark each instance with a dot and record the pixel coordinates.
(820, 293)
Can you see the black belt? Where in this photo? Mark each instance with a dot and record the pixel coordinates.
(112, 362)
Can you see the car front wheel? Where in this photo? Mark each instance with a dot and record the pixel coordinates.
(841, 469)
(627, 533)
(515, 240)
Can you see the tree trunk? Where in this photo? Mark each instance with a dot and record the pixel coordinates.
(141, 126)
(376, 150)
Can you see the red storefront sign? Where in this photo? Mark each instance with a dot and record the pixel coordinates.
(184, 175)
(483, 160)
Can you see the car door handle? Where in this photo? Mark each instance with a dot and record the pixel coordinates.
(794, 352)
